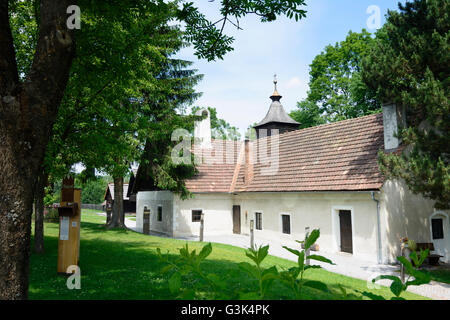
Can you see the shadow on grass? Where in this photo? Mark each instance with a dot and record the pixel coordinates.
(131, 270)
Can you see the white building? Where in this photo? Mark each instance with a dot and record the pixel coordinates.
(323, 177)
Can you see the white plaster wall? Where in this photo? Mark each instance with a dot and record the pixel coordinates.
(218, 217)
(152, 199)
(314, 210)
(405, 214)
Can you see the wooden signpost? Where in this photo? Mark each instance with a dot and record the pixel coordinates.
(202, 226)
(69, 226)
(252, 234)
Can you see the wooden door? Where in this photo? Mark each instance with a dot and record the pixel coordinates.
(237, 219)
(345, 219)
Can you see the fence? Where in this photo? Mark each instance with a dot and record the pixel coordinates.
(92, 206)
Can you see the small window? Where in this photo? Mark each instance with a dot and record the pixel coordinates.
(286, 223)
(196, 215)
(437, 228)
(258, 218)
(159, 213)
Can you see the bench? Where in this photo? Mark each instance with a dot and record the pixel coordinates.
(433, 259)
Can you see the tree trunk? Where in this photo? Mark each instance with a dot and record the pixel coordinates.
(118, 214)
(39, 212)
(27, 112)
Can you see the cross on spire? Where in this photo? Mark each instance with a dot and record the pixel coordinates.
(275, 96)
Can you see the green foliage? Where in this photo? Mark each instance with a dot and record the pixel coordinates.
(409, 66)
(291, 276)
(136, 253)
(188, 263)
(24, 26)
(208, 39)
(264, 277)
(93, 191)
(397, 286)
(307, 114)
(337, 91)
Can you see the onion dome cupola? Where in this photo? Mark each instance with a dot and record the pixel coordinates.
(276, 117)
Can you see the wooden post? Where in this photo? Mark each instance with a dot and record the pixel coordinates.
(202, 226)
(252, 234)
(402, 267)
(108, 212)
(69, 226)
(146, 224)
(306, 251)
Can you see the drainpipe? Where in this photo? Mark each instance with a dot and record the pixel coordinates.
(372, 194)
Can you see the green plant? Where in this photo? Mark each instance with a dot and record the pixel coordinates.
(189, 263)
(291, 276)
(398, 286)
(265, 277)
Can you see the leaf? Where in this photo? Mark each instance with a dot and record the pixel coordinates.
(219, 282)
(296, 252)
(301, 261)
(262, 253)
(312, 238)
(414, 258)
(396, 285)
(406, 263)
(188, 294)
(316, 285)
(167, 269)
(206, 251)
(419, 278)
(175, 282)
(423, 255)
(247, 267)
(313, 267)
(370, 295)
(270, 273)
(319, 258)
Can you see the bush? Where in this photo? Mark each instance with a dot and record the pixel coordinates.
(51, 214)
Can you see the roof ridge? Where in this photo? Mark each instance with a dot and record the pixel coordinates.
(331, 124)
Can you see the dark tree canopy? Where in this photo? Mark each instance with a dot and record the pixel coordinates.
(410, 66)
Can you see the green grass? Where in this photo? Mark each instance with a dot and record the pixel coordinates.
(122, 264)
(439, 275)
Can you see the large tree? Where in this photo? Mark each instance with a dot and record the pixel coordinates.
(336, 91)
(410, 66)
(29, 104)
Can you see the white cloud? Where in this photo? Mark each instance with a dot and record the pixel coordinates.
(295, 82)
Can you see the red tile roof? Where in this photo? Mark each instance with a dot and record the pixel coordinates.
(340, 156)
(215, 174)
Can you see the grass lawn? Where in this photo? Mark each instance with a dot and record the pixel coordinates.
(122, 264)
(439, 275)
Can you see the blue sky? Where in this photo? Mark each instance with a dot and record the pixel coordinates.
(240, 85)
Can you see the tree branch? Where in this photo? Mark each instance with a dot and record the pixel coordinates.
(54, 53)
(9, 77)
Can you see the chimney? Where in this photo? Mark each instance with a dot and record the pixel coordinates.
(248, 162)
(202, 129)
(391, 120)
